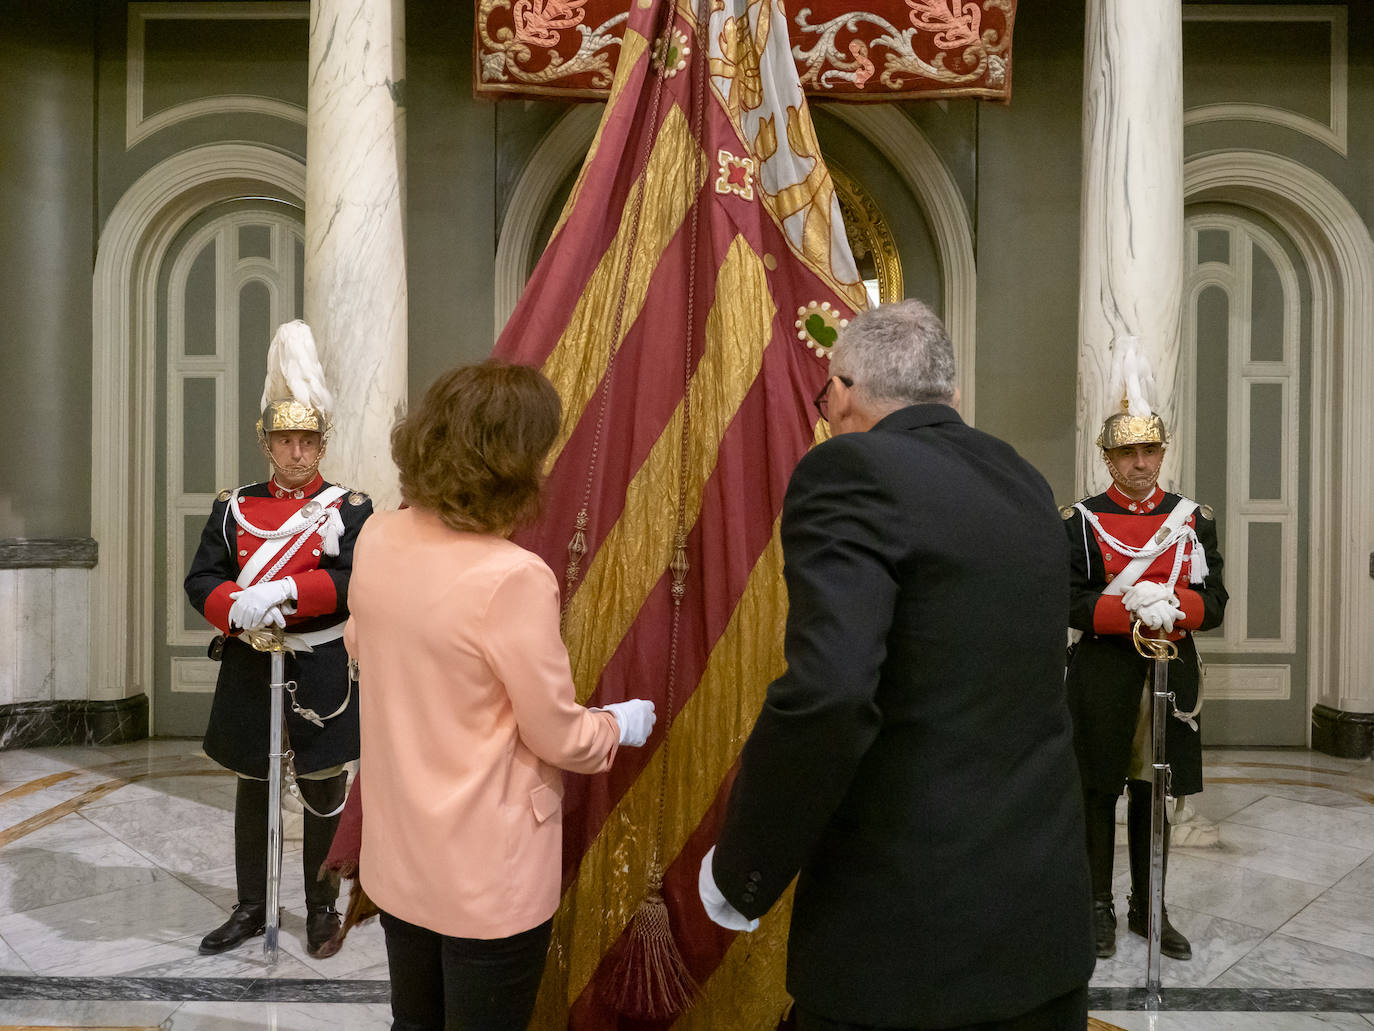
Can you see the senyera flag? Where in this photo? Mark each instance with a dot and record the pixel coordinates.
(684, 309)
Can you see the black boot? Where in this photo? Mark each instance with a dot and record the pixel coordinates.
(1104, 926)
(250, 870)
(321, 886)
(1100, 815)
(1171, 941)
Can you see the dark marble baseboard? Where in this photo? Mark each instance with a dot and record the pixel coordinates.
(47, 553)
(73, 722)
(1347, 735)
(264, 989)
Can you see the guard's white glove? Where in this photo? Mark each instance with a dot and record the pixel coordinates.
(1159, 615)
(260, 605)
(1146, 592)
(636, 719)
(717, 906)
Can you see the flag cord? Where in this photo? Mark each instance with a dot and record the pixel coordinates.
(652, 977)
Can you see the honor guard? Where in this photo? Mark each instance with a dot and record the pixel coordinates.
(279, 554)
(1138, 553)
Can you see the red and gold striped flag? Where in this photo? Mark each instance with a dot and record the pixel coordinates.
(684, 309)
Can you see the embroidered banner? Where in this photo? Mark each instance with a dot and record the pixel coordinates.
(873, 50)
(684, 308)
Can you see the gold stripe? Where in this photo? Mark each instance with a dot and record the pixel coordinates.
(578, 363)
(631, 46)
(640, 545)
(706, 738)
(746, 989)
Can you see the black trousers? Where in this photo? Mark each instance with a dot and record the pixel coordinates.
(440, 983)
(1068, 1012)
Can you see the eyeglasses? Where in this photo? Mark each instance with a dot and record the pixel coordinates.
(822, 401)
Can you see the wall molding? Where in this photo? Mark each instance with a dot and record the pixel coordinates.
(1248, 683)
(896, 137)
(1333, 133)
(137, 127)
(48, 553)
(1338, 251)
(132, 247)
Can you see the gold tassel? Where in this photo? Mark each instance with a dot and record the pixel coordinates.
(651, 981)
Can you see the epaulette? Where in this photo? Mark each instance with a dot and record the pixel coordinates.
(224, 495)
(1206, 511)
(356, 497)
(1066, 511)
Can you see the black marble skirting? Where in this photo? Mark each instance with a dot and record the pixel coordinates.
(263, 989)
(73, 722)
(1347, 735)
(47, 553)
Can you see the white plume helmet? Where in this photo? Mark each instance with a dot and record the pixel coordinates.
(294, 371)
(1131, 376)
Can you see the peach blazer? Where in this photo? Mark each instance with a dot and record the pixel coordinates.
(467, 707)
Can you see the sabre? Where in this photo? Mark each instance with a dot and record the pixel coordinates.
(273, 641)
(1159, 652)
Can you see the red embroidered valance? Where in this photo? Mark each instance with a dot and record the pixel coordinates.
(845, 49)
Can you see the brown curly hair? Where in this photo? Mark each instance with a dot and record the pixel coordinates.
(473, 451)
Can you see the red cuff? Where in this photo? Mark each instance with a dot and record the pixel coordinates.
(219, 603)
(1190, 602)
(315, 594)
(1111, 615)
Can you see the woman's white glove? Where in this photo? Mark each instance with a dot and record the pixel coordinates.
(718, 908)
(636, 719)
(260, 605)
(1146, 592)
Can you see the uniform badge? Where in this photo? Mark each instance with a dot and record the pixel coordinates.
(357, 498)
(1206, 511)
(224, 495)
(310, 510)
(1066, 512)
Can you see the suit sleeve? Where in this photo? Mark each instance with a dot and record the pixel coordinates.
(214, 571)
(520, 641)
(1204, 604)
(820, 717)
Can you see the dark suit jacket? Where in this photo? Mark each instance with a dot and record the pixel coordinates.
(915, 762)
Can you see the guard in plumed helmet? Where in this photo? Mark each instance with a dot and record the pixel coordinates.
(1137, 553)
(279, 553)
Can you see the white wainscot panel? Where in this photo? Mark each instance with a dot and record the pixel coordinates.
(1247, 683)
(194, 676)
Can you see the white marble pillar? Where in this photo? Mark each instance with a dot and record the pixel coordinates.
(355, 266)
(1131, 261)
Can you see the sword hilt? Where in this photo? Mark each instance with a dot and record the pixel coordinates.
(1153, 647)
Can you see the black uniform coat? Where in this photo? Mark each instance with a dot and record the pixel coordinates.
(238, 731)
(1106, 674)
(915, 762)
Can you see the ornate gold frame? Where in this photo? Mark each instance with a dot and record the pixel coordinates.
(869, 234)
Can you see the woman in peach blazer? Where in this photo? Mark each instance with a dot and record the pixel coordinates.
(467, 707)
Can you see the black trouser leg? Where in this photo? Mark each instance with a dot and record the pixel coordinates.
(323, 796)
(1100, 815)
(250, 841)
(1138, 796)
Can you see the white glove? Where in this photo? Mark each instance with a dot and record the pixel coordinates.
(260, 605)
(1146, 592)
(1159, 614)
(636, 718)
(717, 907)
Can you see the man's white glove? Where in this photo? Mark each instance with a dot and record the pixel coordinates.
(636, 718)
(1159, 615)
(717, 907)
(260, 605)
(1146, 592)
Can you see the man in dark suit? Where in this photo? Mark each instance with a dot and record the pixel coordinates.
(915, 763)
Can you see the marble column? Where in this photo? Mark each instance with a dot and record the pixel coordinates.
(355, 266)
(1131, 261)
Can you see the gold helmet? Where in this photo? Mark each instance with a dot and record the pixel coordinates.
(294, 394)
(1121, 429)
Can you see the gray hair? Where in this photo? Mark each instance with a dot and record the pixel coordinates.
(897, 355)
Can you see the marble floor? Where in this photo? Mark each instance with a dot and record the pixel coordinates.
(113, 865)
